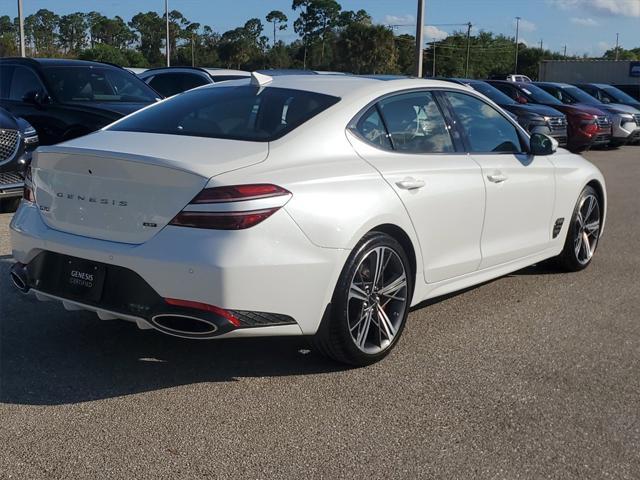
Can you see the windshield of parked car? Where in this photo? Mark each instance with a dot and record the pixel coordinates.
(567, 94)
(538, 95)
(96, 84)
(243, 112)
(491, 92)
(618, 96)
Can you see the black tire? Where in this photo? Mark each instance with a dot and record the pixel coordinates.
(334, 338)
(572, 259)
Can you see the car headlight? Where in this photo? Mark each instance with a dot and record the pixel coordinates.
(627, 116)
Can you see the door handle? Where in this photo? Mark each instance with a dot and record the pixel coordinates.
(497, 177)
(410, 183)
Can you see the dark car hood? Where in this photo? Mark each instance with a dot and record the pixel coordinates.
(7, 120)
(531, 110)
(112, 109)
(578, 108)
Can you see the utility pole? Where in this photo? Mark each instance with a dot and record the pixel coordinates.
(193, 52)
(515, 70)
(565, 52)
(166, 14)
(466, 69)
(617, 43)
(21, 20)
(541, 45)
(433, 46)
(419, 37)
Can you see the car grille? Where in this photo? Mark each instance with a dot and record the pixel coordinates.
(8, 144)
(603, 121)
(561, 139)
(602, 138)
(557, 123)
(10, 178)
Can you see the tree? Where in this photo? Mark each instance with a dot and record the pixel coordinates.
(41, 30)
(8, 37)
(73, 31)
(366, 49)
(113, 31)
(150, 29)
(279, 21)
(348, 17)
(317, 17)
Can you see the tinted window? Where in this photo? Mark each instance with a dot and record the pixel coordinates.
(486, 128)
(416, 124)
(491, 92)
(87, 84)
(570, 95)
(169, 84)
(617, 95)
(371, 128)
(23, 81)
(224, 78)
(239, 112)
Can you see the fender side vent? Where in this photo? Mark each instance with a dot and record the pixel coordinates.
(557, 227)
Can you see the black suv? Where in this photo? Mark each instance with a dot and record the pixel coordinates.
(64, 99)
(18, 139)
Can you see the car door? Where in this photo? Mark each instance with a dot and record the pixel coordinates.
(520, 188)
(19, 81)
(407, 139)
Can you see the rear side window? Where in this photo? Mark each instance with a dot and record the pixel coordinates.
(239, 113)
(170, 84)
(487, 130)
(371, 128)
(416, 124)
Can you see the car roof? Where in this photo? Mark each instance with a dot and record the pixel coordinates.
(212, 72)
(57, 62)
(346, 85)
(554, 84)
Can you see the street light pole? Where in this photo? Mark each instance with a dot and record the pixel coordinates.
(515, 70)
(166, 14)
(433, 73)
(466, 70)
(419, 37)
(21, 21)
(617, 44)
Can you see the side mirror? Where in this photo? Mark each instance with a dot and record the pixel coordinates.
(521, 99)
(36, 97)
(541, 144)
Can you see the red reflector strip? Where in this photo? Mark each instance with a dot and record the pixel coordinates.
(222, 220)
(205, 308)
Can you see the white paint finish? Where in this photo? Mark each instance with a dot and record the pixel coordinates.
(519, 206)
(290, 263)
(446, 213)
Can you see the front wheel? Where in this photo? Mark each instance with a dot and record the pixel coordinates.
(584, 232)
(370, 303)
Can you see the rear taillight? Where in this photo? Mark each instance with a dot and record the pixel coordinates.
(27, 192)
(234, 207)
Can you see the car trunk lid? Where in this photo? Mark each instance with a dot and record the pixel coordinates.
(125, 187)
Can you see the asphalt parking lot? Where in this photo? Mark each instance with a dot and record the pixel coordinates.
(535, 375)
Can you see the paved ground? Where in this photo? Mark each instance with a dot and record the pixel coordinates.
(535, 375)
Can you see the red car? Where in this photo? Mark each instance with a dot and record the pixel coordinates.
(588, 126)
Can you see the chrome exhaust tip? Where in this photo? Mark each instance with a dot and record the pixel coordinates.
(185, 326)
(19, 277)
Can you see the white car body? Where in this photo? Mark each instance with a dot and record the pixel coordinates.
(462, 228)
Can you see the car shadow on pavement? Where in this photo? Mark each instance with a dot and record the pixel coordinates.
(49, 356)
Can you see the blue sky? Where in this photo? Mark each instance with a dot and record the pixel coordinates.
(585, 26)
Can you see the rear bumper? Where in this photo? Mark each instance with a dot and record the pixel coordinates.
(272, 267)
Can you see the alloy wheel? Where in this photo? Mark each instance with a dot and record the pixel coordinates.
(377, 300)
(587, 228)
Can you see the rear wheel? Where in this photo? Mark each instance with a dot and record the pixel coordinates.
(584, 232)
(370, 303)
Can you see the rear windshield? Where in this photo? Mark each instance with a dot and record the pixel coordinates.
(492, 92)
(234, 112)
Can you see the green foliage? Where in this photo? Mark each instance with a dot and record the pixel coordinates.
(329, 39)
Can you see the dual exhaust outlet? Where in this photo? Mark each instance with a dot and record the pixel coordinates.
(177, 324)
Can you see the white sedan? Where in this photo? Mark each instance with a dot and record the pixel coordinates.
(322, 205)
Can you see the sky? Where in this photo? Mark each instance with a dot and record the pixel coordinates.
(584, 26)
